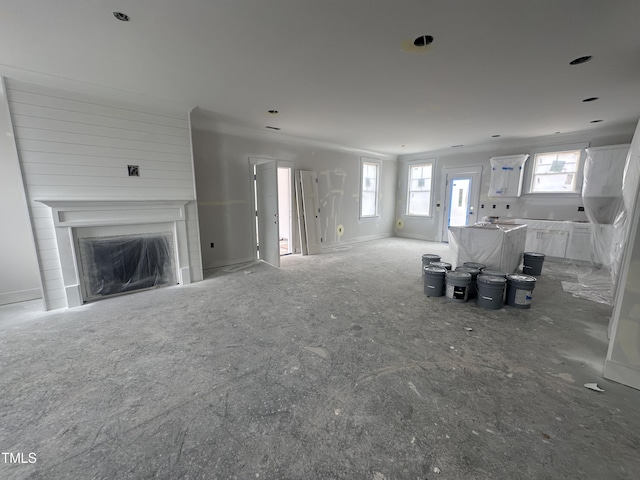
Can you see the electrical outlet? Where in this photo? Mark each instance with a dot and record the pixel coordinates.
(211, 244)
(494, 206)
(507, 206)
(581, 209)
(482, 206)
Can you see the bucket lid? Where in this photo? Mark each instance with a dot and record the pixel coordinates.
(491, 279)
(432, 269)
(473, 271)
(460, 275)
(534, 254)
(495, 273)
(479, 266)
(441, 264)
(517, 277)
(431, 255)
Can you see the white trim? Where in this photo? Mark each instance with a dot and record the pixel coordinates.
(621, 373)
(415, 163)
(69, 215)
(528, 169)
(378, 163)
(366, 238)
(20, 296)
(475, 199)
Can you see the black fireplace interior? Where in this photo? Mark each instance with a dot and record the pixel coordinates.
(114, 265)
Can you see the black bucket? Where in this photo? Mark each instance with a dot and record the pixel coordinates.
(458, 285)
(491, 291)
(474, 272)
(520, 290)
(434, 281)
(427, 258)
(533, 263)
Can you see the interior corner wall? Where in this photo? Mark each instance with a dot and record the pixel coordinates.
(623, 357)
(19, 278)
(545, 207)
(77, 146)
(223, 184)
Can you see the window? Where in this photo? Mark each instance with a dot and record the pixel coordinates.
(419, 196)
(555, 172)
(369, 189)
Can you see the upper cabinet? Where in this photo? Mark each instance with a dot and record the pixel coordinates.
(506, 175)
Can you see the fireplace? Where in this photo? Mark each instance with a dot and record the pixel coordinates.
(113, 247)
(122, 264)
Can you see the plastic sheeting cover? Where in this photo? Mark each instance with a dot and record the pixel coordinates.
(506, 175)
(113, 265)
(498, 246)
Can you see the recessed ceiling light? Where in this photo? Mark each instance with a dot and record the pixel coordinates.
(580, 60)
(456, 146)
(273, 112)
(590, 99)
(423, 41)
(123, 17)
(495, 136)
(596, 121)
(272, 128)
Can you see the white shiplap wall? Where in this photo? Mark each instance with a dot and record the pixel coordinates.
(77, 146)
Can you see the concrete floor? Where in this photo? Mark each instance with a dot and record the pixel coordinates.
(335, 366)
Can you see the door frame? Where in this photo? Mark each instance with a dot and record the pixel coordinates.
(293, 241)
(253, 161)
(474, 194)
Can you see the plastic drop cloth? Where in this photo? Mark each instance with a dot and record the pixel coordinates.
(608, 193)
(498, 246)
(113, 265)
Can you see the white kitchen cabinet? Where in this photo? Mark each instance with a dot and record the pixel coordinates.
(580, 242)
(506, 175)
(546, 236)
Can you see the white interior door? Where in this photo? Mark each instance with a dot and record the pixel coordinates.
(309, 207)
(462, 196)
(267, 206)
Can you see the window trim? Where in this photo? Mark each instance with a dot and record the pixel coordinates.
(378, 164)
(530, 168)
(418, 163)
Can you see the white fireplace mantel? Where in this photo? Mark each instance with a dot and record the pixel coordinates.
(69, 214)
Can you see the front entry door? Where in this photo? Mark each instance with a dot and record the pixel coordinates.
(462, 195)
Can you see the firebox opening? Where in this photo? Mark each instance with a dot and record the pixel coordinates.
(121, 264)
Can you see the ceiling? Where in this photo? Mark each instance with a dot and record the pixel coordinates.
(346, 72)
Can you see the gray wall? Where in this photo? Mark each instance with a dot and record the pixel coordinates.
(223, 184)
(19, 276)
(545, 206)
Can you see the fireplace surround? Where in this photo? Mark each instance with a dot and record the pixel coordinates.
(77, 222)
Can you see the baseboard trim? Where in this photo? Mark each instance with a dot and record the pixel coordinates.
(227, 263)
(20, 296)
(416, 236)
(366, 238)
(622, 374)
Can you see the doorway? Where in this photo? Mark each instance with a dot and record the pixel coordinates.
(462, 196)
(272, 189)
(285, 210)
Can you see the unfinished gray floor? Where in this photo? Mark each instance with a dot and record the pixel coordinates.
(334, 367)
